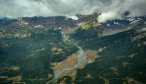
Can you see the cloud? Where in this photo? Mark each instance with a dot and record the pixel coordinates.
(108, 16)
(110, 9)
(118, 8)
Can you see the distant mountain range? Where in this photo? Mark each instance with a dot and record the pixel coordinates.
(66, 24)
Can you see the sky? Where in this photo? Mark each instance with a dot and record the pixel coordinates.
(109, 9)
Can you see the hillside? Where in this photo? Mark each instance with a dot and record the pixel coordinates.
(52, 50)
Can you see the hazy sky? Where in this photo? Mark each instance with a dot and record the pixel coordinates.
(110, 9)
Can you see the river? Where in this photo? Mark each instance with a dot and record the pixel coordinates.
(81, 62)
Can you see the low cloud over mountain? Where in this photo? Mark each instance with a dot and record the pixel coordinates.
(109, 9)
